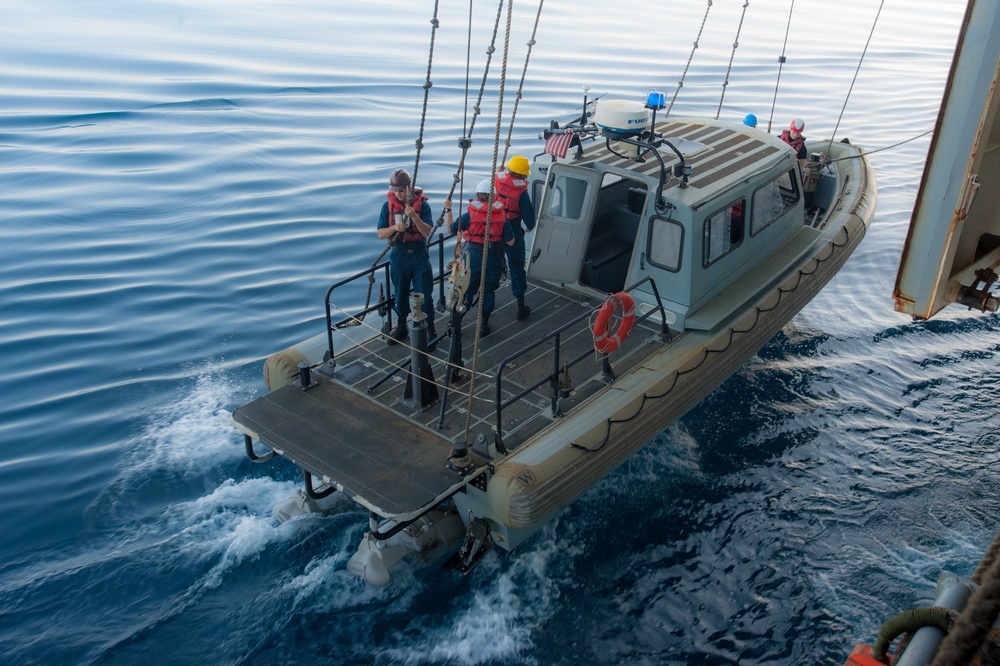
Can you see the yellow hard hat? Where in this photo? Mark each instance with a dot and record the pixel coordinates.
(519, 164)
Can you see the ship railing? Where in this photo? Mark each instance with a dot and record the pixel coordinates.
(561, 364)
(385, 305)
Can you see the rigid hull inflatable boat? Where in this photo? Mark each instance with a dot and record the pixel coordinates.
(665, 255)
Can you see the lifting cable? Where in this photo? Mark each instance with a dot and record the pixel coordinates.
(879, 150)
(427, 90)
(851, 89)
(416, 164)
(464, 462)
(520, 87)
(680, 84)
(466, 141)
(781, 62)
(736, 44)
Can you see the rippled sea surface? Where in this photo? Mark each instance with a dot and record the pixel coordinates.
(181, 181)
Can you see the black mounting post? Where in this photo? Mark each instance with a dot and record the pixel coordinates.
(554, 381)
(607, 372)
(421, 390)
(453, 371)
(305, 376)
(459, 460)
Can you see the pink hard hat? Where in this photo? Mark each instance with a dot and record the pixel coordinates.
(797, 125)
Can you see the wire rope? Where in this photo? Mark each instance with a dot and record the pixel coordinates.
(781, 63)
(736, 44)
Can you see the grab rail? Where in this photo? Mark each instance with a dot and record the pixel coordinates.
(385, 305)
(559, 364)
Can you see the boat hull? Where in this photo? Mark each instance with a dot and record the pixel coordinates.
(565, 460)
(360, 428)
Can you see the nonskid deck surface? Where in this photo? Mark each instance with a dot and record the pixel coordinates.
(332, 431)
(392, 455)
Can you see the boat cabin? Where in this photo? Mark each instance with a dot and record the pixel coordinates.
(606, 219)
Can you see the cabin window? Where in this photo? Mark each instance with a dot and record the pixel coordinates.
(537, 189)
(666, 239)
(724, 231)
(566, 196)
(772, 200)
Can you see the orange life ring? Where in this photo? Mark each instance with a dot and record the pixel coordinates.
(603, 342)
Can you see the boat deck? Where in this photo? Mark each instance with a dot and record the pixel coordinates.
(387, 451)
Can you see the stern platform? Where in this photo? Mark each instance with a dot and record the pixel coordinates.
(353, 430)
(379, 458)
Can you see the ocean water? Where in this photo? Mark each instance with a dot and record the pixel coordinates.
(181, 181)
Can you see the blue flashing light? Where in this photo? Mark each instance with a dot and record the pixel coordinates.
(655, 99)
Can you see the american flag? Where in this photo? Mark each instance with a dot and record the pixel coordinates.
(558, 144)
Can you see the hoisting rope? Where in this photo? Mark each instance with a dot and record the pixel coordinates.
(466, 141)
(736, 44)
(465, 462)
(861, 60)
(991, 555)
(879, 150)
(427, 91)
(520, 86)
(781, 63)
(680, 84)
(466, 137)
(416, 164)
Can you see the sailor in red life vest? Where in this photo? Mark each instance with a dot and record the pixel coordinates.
(793, 137)
(409, 223)
(472, 227)
(512, 191)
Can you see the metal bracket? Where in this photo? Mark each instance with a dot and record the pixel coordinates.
(311, 492)
(248, 441)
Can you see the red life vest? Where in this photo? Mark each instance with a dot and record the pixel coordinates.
(786, 136)
(509, 188)
(477, 222)
(412, 234)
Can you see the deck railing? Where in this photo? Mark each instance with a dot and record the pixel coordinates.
(384, 306)
(560, 364)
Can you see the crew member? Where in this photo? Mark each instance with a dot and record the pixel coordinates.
(472, 227)
(406, 218)
(512, 191)
(793, 137)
